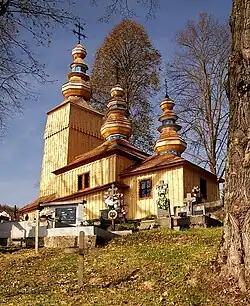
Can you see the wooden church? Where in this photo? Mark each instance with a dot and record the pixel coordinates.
(85, 153)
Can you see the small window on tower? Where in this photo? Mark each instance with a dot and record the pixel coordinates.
(86, 180)
(203, 188)
(83, 181)
(79, 182)
(145, 188)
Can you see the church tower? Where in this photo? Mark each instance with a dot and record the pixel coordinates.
(116, 125)
(169, 140)
(73, 127)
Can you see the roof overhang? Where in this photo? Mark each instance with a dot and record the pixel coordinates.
(62, 203)
(120, 150)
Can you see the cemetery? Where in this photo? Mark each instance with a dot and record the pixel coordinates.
(59, 226)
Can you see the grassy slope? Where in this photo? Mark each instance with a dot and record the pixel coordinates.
(157, 267)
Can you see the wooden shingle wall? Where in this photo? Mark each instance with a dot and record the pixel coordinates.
(70, 131)
(55, 153)
(102, 171)
(84, 134)
(140, 208)
(192, 178)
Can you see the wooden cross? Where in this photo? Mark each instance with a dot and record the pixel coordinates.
(78, 32)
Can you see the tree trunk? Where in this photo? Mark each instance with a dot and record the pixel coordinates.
(236, 244)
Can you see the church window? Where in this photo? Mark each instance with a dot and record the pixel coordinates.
(83, 181)
(145, 188)
(203, 188)
(86, 180)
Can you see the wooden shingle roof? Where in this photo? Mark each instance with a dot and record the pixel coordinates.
(158, 162)
(34, 204)
(119, 146)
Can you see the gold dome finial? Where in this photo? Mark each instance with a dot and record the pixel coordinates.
(117, 124)
(169, 140)
(78, 81)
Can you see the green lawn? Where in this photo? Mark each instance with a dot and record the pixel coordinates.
(157, 267)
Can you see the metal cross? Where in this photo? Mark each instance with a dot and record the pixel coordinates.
(166, 89)
(78, 32)
(113, 190)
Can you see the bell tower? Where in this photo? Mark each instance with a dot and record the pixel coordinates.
(73, 127)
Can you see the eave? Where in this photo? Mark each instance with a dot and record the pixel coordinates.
(179, 163)
(118, 149)
(90, 191)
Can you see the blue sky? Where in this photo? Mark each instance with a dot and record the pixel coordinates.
(22, 147)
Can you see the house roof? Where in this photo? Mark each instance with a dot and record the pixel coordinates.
(77, 101)
(52, 198)
(87, 191)
(119, 146)
(158, 162)
(34, 204)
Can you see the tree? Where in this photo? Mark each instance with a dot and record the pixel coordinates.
(198, 77)
(34, 20)
(9, 210)
(129, 50)
(19, 67)
(124, 8)
(235, 250)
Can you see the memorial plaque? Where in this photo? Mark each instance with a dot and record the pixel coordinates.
(66, 214)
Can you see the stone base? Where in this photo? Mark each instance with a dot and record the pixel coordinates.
(68, 242)
(179, 223)
(147, 224)
(165, 222)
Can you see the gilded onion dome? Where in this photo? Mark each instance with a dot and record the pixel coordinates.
(169, 140)
(78, 84)
(116, 124)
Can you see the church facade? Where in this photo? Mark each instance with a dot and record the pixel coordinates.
(85, 153)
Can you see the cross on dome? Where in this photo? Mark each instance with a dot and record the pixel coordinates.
(78, 32)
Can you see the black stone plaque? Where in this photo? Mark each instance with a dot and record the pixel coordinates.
(198, 212)
(66, 214)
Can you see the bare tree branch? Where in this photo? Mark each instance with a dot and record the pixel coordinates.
(198, 75)
(19, 67)
(127, 8)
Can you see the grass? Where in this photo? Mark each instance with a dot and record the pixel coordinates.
(157, 267)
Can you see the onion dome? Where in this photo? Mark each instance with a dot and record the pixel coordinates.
(169, 140)
(116, 124)
(78, 84)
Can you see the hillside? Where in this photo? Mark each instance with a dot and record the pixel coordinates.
(157, 267)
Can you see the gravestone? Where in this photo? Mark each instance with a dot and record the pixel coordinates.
(66, 214)
(189, 200)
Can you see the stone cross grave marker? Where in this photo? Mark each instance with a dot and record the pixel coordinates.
(189, 200)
